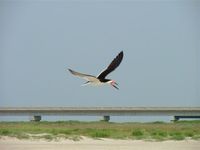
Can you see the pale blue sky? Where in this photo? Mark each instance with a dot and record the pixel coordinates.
(39, 40)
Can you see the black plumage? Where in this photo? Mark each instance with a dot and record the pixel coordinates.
(113, 65)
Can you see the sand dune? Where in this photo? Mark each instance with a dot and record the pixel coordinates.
(7, 143)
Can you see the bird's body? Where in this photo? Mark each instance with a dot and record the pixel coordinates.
(100, 79)
(98, 82)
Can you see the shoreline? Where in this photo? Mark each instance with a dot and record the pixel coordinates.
(12, 143)
(84, 138)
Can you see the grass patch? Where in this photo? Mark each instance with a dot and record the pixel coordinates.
(5, 132)
(158, 134)
(100, 134)
(138, 134)
(75, 129)
(177, 136)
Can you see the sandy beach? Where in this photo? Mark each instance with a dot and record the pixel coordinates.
(8, 143)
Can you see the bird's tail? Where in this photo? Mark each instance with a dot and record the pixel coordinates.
(86, 83)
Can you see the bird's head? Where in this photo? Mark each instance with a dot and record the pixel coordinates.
(113, 84)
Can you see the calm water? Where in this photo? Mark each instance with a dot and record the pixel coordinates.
(92, 118)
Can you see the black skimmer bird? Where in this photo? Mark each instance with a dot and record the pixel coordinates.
(100, 79)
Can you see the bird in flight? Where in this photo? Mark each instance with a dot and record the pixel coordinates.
(100, 79)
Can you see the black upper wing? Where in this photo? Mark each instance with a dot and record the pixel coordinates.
(113, 65)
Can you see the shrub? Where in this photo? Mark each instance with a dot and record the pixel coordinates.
(138, 132)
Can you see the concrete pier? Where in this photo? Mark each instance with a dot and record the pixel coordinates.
(106, 118)
(36, 118)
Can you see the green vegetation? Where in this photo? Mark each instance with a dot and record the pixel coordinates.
(74, 130)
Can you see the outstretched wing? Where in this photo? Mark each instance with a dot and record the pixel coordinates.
(113, 65)
(84, 76)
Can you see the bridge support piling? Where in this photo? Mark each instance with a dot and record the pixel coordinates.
(36, 118)
(106, 118)
(176, 118)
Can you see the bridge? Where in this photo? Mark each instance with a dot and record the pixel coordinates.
(106, 112)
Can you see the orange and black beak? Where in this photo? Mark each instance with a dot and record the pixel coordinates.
(114, 84)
